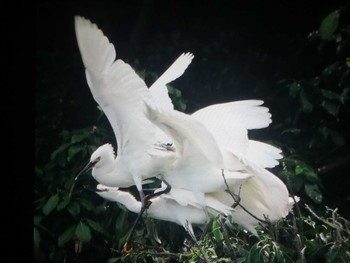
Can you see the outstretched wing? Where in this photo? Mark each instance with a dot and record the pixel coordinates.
(229, 123)
(159, 90)
(115, 86)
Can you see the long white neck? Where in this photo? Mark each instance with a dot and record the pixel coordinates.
(125, 198)
(113, 174)
(130, 202)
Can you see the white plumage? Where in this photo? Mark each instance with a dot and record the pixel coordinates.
(165, 208)
(121, 93)
(211, 141)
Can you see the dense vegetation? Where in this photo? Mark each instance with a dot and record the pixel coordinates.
(308, 97)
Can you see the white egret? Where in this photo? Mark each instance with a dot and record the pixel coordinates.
(164, 207)
(200, 151)
(121, 93)
(263, 193)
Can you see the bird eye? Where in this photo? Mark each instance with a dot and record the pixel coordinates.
(97, 159)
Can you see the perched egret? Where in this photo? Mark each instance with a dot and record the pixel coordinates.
(195, 169)
(121, 93)
(208, 143)
(164, 207)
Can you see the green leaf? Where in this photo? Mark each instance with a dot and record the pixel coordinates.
(121, 220)
(295, 131)
(278, 253)
(170, 89)
(181, 106)
(330, 107)
(329, 25)
(83, 232)
(313, 191)
(173, 92)
(63, 203)
(37, 219)
(87, 204)
(58, 151)
(73, 208)
(305, 103)
(141, 73)
(36, 238)
(97, 227)
(73, 151)
(298, 169)
(330, 70)
(51, 204)
(216, 229)
(113, 260)
(330, 94)
(294, 89)
(79, 137)
(66, 235)
(309, 173)
(345, 95)
(254, 255)
(297, 183)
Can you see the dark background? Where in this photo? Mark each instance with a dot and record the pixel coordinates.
(242, 51)
(241, 48)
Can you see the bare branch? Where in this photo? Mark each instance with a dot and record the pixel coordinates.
(237, 199)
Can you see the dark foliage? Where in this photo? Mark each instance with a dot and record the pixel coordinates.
(293, 56)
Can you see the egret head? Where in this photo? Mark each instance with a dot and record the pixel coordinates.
(102, 155)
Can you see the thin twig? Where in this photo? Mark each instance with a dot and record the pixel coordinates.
(238, 200)
(320, 218)
(227, 240)
(194, 239)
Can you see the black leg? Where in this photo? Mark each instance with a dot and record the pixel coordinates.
(165, 191)
(127, 246)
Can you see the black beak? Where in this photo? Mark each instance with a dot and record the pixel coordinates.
(91, 189)
(87, 168)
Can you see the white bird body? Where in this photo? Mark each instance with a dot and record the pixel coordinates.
(210, 141)
(121, 94)
(261, 192)
(263, 195)
(166, 208)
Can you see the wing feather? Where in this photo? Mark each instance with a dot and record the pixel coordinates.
(159, 90)
(229, 123)
(115, 86)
